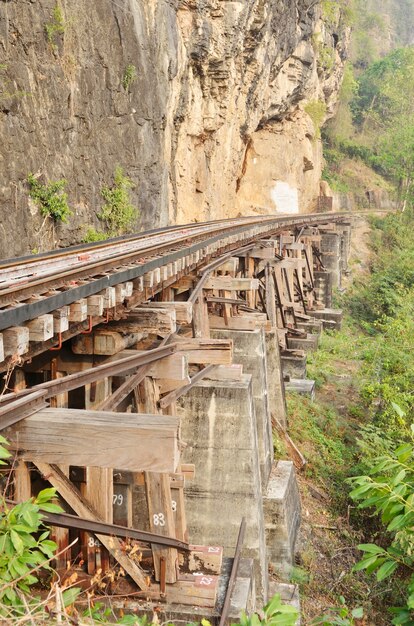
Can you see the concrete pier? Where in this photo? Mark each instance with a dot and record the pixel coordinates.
(219, 427)
(250, 350)
(282, 512)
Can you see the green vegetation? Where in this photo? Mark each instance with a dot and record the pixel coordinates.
(316, 109)
(360, 427)
(50, 198)
(130, 75)
(92, 235)
(118, 213)
(56, 26)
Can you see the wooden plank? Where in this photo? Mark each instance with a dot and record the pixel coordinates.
(1, 348)
(98, 491)
(206, 351)
(41, 328)
(183, 310)
(229, 266)
(237, 322)
(78, 311)
(22, 483)
(174, 367)
(160, 509)
(205, 559)
(15, 340)
(83, 509)
(61, 320)
(178, 509)
(104, 342)
(195, 590)
(102, 439)
(227, 283)
(61, 537)
(148, 319)
(109, 297)
(95, 305)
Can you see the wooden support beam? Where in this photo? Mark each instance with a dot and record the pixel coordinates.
(148, 319)
(61, 320)
(238, 322)
(183, 310)
(41, 328)
(98, 491)
(104, 342)
(228, 283)
(78, 311)
(15, 340)
(270, 296)
(22, 483)
(174, 367)
(104, 439)
(160, 509)
(82, 508)
(206, 351)
(95, 305)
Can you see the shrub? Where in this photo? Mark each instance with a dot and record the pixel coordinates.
(50, 198)
(118, 213)
(130, 75)
(56, 26)
(316, 109)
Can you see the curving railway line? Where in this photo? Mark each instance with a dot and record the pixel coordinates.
(36, 285)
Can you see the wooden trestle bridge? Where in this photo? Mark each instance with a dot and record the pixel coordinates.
(98, 342)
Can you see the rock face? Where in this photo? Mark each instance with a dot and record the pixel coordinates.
(201, 102)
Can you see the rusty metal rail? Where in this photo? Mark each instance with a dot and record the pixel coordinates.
(233, 576)
(134, 263)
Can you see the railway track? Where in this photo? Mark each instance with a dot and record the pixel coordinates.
(144, 263)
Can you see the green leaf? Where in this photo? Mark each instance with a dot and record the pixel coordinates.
(274, 604)
(358, 613)
(365, 562)
(386, 570)
(69, 595)
(45, 495)
(400, 521)
(50, 508)
(16, 541)
(398, 409)
(371, 548)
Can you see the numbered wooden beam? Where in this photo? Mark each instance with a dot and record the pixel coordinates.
(160, 509)
(82, 508)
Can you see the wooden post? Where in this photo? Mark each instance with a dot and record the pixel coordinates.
(22, 485)
(160, 509)
(98, 492)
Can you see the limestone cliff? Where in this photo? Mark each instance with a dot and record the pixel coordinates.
(202, 102)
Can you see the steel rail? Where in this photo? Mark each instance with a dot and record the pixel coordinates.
(79, 379)
(16, 315)
(66, 520)
(233, 575)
